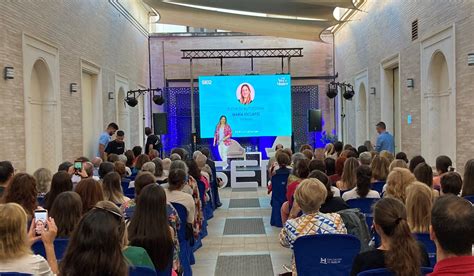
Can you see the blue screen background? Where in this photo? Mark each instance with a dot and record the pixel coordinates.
(269, 114)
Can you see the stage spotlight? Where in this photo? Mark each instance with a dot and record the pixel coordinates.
(131, 101)
(332, 90)
(158, 99)
(348, 91)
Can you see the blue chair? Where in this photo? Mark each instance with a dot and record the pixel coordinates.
(386, 272)
(60, 246)
(125, 183)
(14, 274)
(143, 271)
(325, 254)
(40, 200)
(430, 246)
(470, 198)
(365, 206)
(378, 186)
(279, 183)
(185, 248)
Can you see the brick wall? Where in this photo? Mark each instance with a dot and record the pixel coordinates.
(87, 29)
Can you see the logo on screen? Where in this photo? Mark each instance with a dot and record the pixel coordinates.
(206, 82)
(282, 82)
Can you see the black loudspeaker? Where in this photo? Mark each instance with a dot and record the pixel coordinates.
(160, 123)
(314, 120)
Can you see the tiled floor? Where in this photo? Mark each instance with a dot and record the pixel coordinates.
(216, 244)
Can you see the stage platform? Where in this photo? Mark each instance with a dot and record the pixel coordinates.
(243, 173)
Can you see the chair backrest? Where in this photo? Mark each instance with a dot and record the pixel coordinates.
(279, 183)
(325, 254)
(363, 204)
(60, 246)
(386, 272)
(14, 274)
(429, 246)
(378, 186)
(470, 198)
(40, 200)
(183, 214)
(141, 271)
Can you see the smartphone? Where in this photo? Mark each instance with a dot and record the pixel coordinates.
(41, 218)
(77, 166)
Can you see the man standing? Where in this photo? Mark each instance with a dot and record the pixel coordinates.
(152, 141)
(104, 139)
(117, 146)
(452, 228)
(385, 139)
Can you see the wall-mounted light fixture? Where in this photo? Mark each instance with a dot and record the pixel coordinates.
(111, 95)
(73, 87)
(470, 59)
(347, 90)
(410, 83)
(372, 91)
(9, 73)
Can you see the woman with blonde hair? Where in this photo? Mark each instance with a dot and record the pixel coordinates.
(379, 167)
(397, 182)
(387, 155)
(349, 175)
(43, 178)
(418, 203)
(397, 163)
(15, 243)
(329, 150)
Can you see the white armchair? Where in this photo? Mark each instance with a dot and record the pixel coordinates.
(284, 140)
(235, 150)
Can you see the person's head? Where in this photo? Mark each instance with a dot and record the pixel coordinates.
(403, 256)
(444, 164)
(452, 225)
(365, 158)
(120, 136)
(402, 156)
(380, 127)
(338, 147)
(22, 190)
(148, 131)
(340, 165)
(153, 154)
(288, 151)
(193, 169)
(61, 182)
(368, 145)
(282, 158)
(379, 166)
(223, 120)
(176, 179)
(179, 164)
(105, 168)
(120, 168)
(424, 173)
(415, 161)
(296, 157)
(89, 168)
(149, 226)
(91, 192)
(317, 164)
(329, 149)
(64, 166)
(112, 158)
(451, 183)
(319, 175)
(319, 154)
(201, 161)
(306, 147)
(347, 147)
(308, 154)
(468, 180)
(141, 159)
(112, 128)
(137, 150)
(43, 178)
(143, 179)
(13, 240)
(364, 176)
(206, 152)
(158, 167)
(149, 167)
(348, 153)
(330, 164)
(96, 161)
(279, 147)
(397, 182)
(111, 184)
(397, 163)
(66, 211)
(310, 195)
(6, 172)
(183, 154)
(174, 157)
(95, 246)
(349, 175)
(388, 155)
(418, 203)
(130, 158)
(362, 149)
(301, 170)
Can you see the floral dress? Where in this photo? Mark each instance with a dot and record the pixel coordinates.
(191, 188)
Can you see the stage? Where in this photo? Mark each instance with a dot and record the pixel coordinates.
(243, 173)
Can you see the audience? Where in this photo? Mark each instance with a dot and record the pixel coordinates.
(414, 162)
(112, 187)
(61, 182)
(399, 251)
(65, 166)
(329, 151)
(183, 154)
(452, 225)
(91, 192)
(424, 173)
(402, 156)
(362, 190)
(137, 151)
(105, 168)
(365, 158)
(130, 158)
(443, 165)
(349, 176)
(317, 164)
(301, 172)
(309, 197)
(140, 161)
(397, 182)
(451, 183)
(177, 179)
(339, 168)
(418, 204)
(380, 168)
(338, 147)
(160, 175)
(66, 211)
(388, 155)
(330, 165)
(333, 201)
(397, 163)
(149, 167)
(15, 243)
(22, 190)
(308, 154)
(468, 180)
(43, 178)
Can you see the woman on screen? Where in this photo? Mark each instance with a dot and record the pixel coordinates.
(222, 138)
(245, 94)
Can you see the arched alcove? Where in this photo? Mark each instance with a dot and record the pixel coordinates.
(361, 115)
(123, 115)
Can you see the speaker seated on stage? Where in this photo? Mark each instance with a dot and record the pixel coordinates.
(235, 150)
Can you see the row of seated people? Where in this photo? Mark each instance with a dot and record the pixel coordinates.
(361, 184)
(95, 228)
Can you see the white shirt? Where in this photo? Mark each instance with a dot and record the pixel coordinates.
(336, 191)
(352, 194)
(31, 264)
